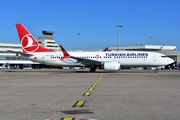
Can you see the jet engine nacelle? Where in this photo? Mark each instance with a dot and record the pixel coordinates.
(112, 66)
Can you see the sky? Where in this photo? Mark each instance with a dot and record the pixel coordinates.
(95, 20)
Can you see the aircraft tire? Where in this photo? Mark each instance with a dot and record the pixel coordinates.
(92, 70)
(156, 71)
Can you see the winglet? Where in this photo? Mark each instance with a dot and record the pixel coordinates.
(106, 49)
(66, 54)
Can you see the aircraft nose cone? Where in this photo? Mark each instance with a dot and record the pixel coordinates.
(171, 60)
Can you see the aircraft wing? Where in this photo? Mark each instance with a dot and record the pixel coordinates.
(85, 61)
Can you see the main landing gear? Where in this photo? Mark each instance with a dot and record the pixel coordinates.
(93, 68)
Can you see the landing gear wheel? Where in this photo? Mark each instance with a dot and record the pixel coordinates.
(156, 71)
(92, 70)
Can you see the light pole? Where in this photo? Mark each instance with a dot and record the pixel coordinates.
(119, 26)
(79, 41)
(152, 38)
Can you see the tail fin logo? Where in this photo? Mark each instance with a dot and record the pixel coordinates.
(29, 44)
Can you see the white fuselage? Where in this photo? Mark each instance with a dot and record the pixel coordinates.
(125, 58)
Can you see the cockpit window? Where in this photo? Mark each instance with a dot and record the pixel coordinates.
(163, 56)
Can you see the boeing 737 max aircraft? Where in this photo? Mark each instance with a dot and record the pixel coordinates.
(109, 61)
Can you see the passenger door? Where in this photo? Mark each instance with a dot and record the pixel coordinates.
(154, 57)
(43, 58)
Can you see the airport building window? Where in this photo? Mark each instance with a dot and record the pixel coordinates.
(11, 58)
(10, 47)
(2, 57)
(4, 52)
(26, 66)
(7, 58)
(173, 57)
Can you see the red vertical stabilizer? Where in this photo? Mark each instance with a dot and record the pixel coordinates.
(28, 42)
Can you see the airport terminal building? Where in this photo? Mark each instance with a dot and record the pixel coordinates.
(11, 60)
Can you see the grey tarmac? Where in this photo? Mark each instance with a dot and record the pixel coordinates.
(78, 94)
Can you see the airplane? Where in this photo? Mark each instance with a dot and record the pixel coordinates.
(107, 60)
